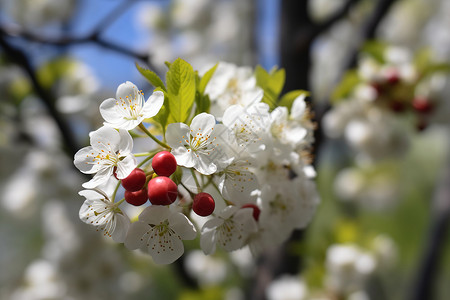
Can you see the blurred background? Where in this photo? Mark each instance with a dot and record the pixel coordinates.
(378, 76)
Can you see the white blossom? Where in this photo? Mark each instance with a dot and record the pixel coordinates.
(201, 146)
(232, 85)
(129, 108)
(98, 210)
(230, 229)
(160, 231)
(109, 149)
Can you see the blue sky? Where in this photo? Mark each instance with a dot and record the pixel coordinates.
(113, 68)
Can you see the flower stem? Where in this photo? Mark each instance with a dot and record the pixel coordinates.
(196, 180)
(150, 156)
(113, 197)
(142, 127)
(119, 202)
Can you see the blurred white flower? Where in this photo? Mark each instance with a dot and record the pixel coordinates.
(287, 287)
(208, 270)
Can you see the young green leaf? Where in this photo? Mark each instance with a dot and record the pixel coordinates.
(205, 79)
(346, 86)
(290, 97)
(152, 77)
(272, 83)
(180, 80)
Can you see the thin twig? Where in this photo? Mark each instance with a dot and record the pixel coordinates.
(18, 57)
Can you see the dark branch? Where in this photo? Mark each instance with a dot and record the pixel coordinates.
(14, 31)
(18, 57)
(435, 241)
(339, 15)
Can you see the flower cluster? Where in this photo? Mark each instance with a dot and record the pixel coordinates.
(226, 157)
(391, 94)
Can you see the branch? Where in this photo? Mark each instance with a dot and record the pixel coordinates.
(435, 241)
(14, 31)
(18, 57)
(320, 28)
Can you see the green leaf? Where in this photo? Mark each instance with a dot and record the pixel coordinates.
(152, 77)
(375, 49)
(167, 64)
(346, 86)
(272, 83)
(203, 103)
(205, 79)
(289, 98)
(180, 80)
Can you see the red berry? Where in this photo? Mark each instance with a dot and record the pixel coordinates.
(422, 104)
(164, 163)
(392, 76)
(135, 181)
(397, 106)
(256, 210)
(136, 198)
(203, 204)
(162, 191)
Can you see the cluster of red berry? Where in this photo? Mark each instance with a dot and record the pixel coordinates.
(399, 96)
(161, 190)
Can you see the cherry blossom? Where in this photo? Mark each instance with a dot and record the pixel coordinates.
(98, 210)
(160, 231)
(110, 149)
(201, 146)
(230, 229)
(129, 108)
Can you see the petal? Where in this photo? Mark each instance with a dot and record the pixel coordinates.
(208, 241)
(177, 134)
(135, 237)
(100, 177)
(182, 226)
(105, 137)
(298, 107)
(153, 104)
(83, 160)
(184, 157)
(165, 249)
(155, 214)
(202, 123)
(126, 89)
(204, 164)
(121, 229)
(231, 115)
(125, 166)
(125, 145)
(110, 113)
(86, 211)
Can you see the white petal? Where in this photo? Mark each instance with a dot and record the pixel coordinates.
(231, 115)
(136, 235)
(204, 164)
(126, 89)
(298, 107)
(166, 248)
(203, 123)
(184, 157)
(153, 104)
(208, 241)
(100, 177)
(105, 137)
(125, 145)
(177, 134)
(83, 160)
(86, 212)
(125, 166)
(110, 113)
(182, 226)
(155, 214)
(122, 226)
